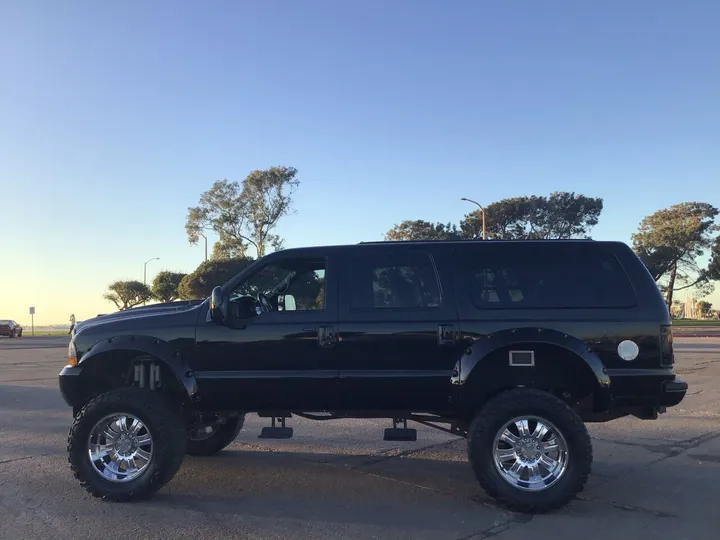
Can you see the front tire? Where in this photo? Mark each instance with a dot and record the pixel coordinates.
(529, 450)
(126, 444)
(210, 443)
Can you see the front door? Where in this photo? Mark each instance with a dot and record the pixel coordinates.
(398, 329)
(277, 350)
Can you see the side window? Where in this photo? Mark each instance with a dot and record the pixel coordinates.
(307, 291)
(286, 285)
(537, 276)
(393, 281)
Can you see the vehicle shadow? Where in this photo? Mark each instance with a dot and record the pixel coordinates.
(324, 487)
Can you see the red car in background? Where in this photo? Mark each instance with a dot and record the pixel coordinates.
(10, 328)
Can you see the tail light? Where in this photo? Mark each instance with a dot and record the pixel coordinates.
(667, 356)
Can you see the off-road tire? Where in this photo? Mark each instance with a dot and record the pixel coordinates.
(225, 434)
(503, 408)
(164, 423)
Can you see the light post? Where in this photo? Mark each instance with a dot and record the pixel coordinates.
(145, 269)
(482, 212)
(205, 237)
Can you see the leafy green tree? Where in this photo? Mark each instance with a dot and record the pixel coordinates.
(423, 230)
(165, 285)
(210, 274)
(705, 308)
(244, 214)
(671, 241)
(128, 294)
(561, 215)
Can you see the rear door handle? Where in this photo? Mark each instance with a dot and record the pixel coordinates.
(327, 337)
(447, 335)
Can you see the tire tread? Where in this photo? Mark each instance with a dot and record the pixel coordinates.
(168, 439)
(482, 429)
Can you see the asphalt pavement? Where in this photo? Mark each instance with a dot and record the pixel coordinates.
(339, 479)
(34, 342)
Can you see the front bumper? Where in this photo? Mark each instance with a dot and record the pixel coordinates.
(71, 386)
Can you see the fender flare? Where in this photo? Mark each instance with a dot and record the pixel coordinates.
(147, 345)
(485, 346)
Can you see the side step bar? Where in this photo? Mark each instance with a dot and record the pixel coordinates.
(404, 434)
(274, 432)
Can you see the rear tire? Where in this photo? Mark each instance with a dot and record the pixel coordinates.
(220, 438)
(546, 460)
(163, 432)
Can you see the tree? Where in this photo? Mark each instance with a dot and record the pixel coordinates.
(210, 274)
(165, 285)
(128, 294)
(244, 215)
(705, 308)
(670, 241)
(423, 230)
(561, 215)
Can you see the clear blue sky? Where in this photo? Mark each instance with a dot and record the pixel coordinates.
(114, 117)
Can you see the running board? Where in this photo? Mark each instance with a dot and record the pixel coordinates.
(400, 434)
(274, 432)
(404, 434)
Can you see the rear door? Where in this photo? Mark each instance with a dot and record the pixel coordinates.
(398, 329)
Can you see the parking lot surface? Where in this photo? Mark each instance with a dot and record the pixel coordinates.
(339, 479)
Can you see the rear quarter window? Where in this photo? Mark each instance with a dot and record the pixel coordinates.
(546, 276)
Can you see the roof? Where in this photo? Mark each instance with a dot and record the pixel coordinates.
(434, 242)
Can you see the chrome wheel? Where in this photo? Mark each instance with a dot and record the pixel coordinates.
(530, 453)
(120, 447)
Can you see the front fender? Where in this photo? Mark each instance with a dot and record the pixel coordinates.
(475, 361)
(147, 346)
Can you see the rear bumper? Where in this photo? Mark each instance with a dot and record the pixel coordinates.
(673, 392)
(646, 387)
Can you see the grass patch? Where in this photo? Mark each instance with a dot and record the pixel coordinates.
(695, 322)
(27, 332)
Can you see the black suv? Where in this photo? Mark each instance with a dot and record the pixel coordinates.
(512, 345)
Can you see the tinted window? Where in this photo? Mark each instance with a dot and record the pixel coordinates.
(558, 275)
(393, 281)
(288, 285)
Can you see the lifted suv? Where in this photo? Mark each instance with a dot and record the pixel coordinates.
(512, 345)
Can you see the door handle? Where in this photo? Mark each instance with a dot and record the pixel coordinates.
(327, 337)
(447, 335)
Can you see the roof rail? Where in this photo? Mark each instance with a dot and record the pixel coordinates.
(477, 240)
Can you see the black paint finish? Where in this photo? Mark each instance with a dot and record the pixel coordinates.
(442, 358)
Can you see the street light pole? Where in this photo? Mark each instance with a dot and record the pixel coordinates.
(482, 212)
(205, 237)
(145, 271)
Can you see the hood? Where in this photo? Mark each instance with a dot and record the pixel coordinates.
(140, 313)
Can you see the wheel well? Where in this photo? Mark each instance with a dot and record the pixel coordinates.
(122, 368)
(557, 370)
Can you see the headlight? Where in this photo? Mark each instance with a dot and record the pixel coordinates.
(72, 354)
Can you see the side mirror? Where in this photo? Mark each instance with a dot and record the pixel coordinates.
(286, 302)
(217, 306)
